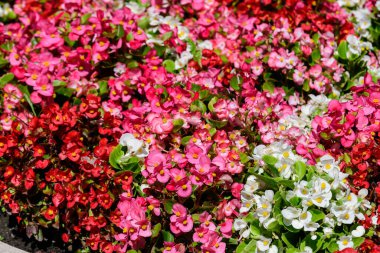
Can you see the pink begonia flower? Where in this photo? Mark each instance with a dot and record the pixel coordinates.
(44, 89)
(160, 124)
(315, 71)
(205, 219)
(12, 93)
(226, 228)
(203, 167)
(180, 221)
(15, 59)
(201, 235)
(154, 205)
(52, 40)
(194, 153)
(214, 244)
(374, 98)
(171, 247)
(35, 97)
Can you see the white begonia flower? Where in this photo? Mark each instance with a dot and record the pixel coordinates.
(377, 5)
(363, 18)
(284, 169)
(289, 214)
(358, 232)
(343, 214)
(307, 249)
(339, 179)
(183, 32)
(243, 228)
(135, 147)
(321, 197)
(348, 3)
(206, 44)
(259, 151)
(153, 40)
(263, 243)
(374, 220)
(171, 21)
(301, 189)
(353, 45)
(328, 231)
(251, 185)
(321, 186)
(135, 7)
(273, 249)
(246, 206)
(328, 164)
(264, 205)
(183, 60)
(304, 221)
(365, 204)
(345, 242)
(267, 223)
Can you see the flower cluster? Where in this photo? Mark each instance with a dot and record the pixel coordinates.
(139, 125)
(305, 206)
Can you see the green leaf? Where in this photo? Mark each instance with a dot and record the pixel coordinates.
(59, 83)
(168, 206)
(132, 64)
(306, 86)
(212, 131)
(217, 123)
(211, 104)
(243, 157)
(268, 159)
(168, 237)
(268, 181)
(333, 246)
(342, 50)
(69, 42)
(255, 228)
(315, 55)
(358, 241)
(195, 87)
(185, 140)
(132, 164)
(129, 37)
(295, 201)
(3, 62)
(115, 156)
(268, 86)
(290, 239)
(316, 38)
(156, 230)
(246, 248)
(235, 82)
(178, 123)
(199, 106)
(120, 31)
(167, 36)
(300, 169)
(26, 93)
(5, 79)
(143, 23)
(169, 65)
(317, 215)
(103, 87)
(84, 19)
(67, 92)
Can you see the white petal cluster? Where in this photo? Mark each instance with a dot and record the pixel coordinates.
(136, 148)
(319, 204)
(5, 9)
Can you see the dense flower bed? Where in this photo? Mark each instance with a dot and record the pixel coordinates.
(192, 126)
